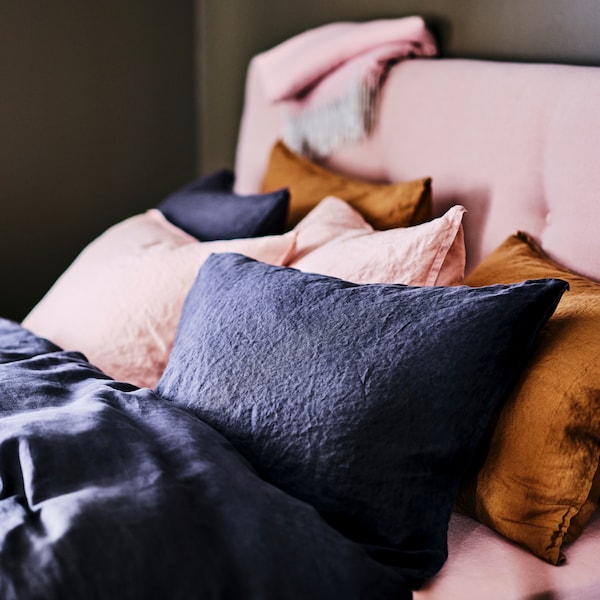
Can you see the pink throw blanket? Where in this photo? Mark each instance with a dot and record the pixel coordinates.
(329, 78)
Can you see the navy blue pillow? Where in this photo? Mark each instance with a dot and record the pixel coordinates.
(209, 209)
(367, 401)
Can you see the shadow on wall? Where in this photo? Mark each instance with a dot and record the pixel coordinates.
(97, 120)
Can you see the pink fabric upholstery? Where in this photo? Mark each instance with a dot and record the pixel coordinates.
(516, 144)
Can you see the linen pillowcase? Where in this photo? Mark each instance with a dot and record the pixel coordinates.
(120, 300)
(365, 401)
(209, 209)
(334, 239)
(383, 205)
(539, 483)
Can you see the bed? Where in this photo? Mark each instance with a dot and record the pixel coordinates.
(355, 366)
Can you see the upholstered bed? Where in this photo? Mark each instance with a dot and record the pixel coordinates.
(516, 145)
(361, 365)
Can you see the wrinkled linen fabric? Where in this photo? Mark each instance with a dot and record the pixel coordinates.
(367, 401)
(333, 239)
(383, 205)
(109, 492)
(208, 209)
(538, 480)
(119, 301)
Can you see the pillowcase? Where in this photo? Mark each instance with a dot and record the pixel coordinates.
(539, 482)
(209, 209)
(333, 239)
(120, 300)
(383, 205)
(366, 401)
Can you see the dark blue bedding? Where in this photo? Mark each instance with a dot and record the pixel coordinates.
(108, 491)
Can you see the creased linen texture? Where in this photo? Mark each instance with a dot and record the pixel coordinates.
(109, 492)
(120, 300)
(328, 388)
(538, 482)
(208, 209)
(333, 239)
(383, 205)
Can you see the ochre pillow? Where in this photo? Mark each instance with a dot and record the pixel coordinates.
(383, 205)
(334, 239)
(119, 302)
(539, 483)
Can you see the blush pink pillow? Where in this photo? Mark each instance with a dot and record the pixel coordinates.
(120, 301)
(334, 239)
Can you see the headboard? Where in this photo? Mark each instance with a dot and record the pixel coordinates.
(510, 141)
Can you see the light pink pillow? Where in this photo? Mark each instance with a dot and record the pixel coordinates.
(334, 239)
(120, 301)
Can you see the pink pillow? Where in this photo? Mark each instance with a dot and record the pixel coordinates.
(334, 239)
(119, 302)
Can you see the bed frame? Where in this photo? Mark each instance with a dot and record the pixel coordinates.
(518, 146)
(514, 143)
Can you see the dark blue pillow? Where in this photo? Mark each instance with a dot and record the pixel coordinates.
(367, 401)
(209, 209)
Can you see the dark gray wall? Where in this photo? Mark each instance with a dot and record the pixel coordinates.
(232, 31)
(97, 121)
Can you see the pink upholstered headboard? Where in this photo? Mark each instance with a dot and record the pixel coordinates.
(517, 144)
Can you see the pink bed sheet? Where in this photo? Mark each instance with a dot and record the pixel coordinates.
(482, 565)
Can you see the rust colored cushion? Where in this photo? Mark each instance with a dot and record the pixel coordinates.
(383, 205)
(539, 481)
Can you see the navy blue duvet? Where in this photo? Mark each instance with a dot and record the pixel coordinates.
(108, 491)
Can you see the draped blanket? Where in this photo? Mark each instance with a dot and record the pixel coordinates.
(109, 492)
(329, 78)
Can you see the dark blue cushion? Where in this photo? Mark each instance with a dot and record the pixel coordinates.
(367, 401)
(209, 209)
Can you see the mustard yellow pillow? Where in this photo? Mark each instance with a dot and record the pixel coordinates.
(383, 205)
(539, 482)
